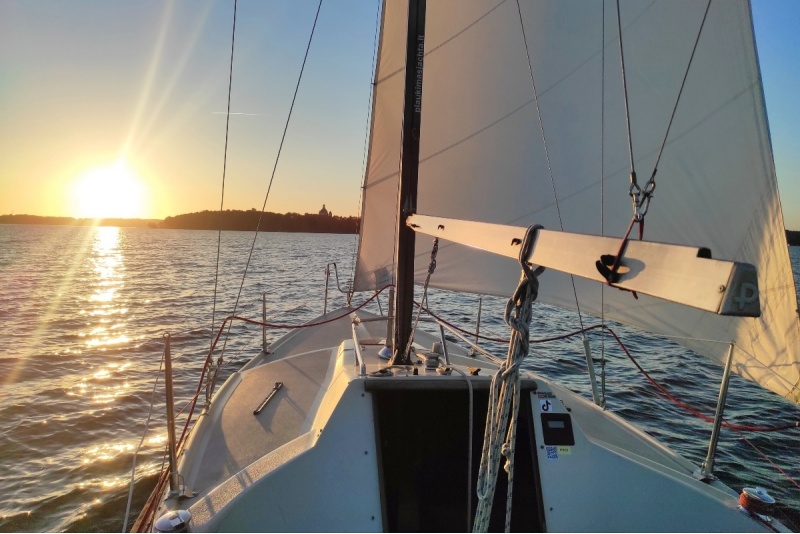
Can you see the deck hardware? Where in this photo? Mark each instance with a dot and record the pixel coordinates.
(278, 385)
(592, 378)
(264, 326)
(705, 473)
(174, 477)
(173, 521)
(757, 501)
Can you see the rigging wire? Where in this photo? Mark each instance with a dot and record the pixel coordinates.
(625, 93)
(678, 99)
(266, 197)
(224, 170)
(603, 195)
(642, 196)
(546, 152)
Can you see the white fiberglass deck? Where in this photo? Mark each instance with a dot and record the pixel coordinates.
(313, 458)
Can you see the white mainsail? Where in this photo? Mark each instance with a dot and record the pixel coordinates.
(486, 155)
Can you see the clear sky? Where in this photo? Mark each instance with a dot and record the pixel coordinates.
(118, 108)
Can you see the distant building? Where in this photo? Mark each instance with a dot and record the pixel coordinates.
(323, 212)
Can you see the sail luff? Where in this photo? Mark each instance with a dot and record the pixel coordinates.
(375, 265)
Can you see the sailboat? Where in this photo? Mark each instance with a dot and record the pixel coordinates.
(519, 145)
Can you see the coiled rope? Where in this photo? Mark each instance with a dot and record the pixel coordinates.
(504, 392)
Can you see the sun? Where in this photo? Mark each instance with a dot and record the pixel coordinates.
(112, 191)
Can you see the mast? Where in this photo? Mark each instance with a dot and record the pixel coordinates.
(409, 174)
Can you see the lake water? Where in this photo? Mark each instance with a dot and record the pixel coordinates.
(83, 312)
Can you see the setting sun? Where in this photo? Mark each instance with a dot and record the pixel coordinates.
(110, 191)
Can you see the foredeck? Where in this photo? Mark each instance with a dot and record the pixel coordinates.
(323, 371)
(233, 436)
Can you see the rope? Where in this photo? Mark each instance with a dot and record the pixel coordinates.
(661, 389)
(767, 458)
(501, 417)
(470, 333)
(694, 411)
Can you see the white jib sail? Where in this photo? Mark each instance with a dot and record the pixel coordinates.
(491, 151)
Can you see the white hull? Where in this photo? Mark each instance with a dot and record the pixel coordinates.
(325, 453)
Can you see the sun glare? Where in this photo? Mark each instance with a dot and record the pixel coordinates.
(106, 192)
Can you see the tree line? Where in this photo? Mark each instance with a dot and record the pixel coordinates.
(266, 222)
(237, 220)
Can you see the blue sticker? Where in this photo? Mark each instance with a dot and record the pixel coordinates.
(552, 452)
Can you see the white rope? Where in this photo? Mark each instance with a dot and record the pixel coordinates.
(499, 437)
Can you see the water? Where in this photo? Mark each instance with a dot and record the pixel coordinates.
(83, 312)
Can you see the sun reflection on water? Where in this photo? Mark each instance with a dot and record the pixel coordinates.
(105, 327)
(108, 268)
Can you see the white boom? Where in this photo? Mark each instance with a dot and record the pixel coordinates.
(682, 274)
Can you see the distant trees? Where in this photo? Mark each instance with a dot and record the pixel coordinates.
(213, 220)
(270, 222)
(71, 221)
(237, 220)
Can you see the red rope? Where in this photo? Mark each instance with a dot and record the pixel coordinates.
(693, 411)
(784, 473)
(497, 340)
(661, 389)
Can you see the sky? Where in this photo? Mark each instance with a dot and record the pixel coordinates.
(117, 109)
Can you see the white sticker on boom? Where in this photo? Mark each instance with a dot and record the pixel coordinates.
(545, 405)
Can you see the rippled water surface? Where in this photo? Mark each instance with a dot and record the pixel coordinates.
(83, 312)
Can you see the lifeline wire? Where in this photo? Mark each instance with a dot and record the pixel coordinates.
(136, 453)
